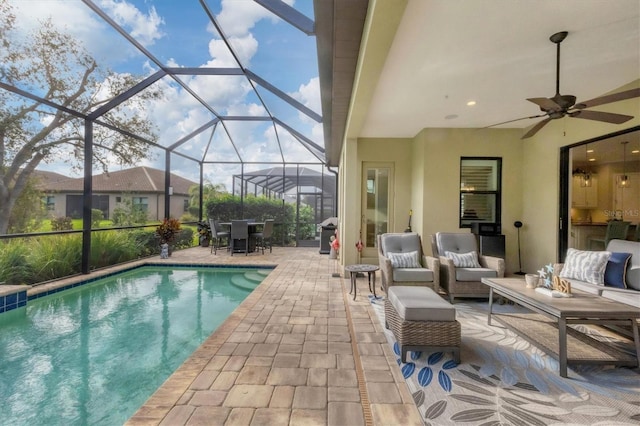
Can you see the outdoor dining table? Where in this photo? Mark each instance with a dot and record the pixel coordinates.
(239, 246)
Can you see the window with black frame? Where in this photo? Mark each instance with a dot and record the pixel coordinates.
(480, 190)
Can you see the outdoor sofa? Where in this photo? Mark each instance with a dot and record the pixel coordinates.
(623, 287)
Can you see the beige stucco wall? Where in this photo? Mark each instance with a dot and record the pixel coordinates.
(441, 185)
(396, 152)
(541, 182)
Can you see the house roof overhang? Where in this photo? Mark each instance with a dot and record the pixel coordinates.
(339, 27)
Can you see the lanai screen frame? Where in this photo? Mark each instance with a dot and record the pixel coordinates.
(277, 7)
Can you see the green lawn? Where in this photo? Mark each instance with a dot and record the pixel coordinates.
(76, 224)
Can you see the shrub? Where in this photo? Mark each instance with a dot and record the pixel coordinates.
(44, 258)
(61, 224)
(145, 240)
(188, 217)
(14, 267)
(184, 238)
(112, 247)
(168, 230)
(55, 256)
(96, 218)
(227, 207)
(126, 214)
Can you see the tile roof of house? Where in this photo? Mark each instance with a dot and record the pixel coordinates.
(137, 180)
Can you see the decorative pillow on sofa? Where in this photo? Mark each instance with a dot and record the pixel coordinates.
(586, 266)
(615, 274)
(410, 259)
(463, 260)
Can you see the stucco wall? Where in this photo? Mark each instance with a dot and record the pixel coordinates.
(441, 184)
(541, 181)
(371, 150)
(427, 180)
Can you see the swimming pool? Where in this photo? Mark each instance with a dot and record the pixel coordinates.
(94, 354)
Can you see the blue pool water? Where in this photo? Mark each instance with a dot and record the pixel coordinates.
(94, 354)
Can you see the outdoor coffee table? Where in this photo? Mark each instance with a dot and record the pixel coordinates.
(549, 330)
(353, 272)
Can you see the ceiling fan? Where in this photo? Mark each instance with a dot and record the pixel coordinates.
(559, 105)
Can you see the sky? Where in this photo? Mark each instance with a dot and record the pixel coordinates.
(180, 34)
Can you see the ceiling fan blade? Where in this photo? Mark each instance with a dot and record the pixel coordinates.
(607, 99)
(536, 128)
(545, 103)
(607, 117)
(517, 119)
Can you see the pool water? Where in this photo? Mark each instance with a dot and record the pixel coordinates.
(96, 353)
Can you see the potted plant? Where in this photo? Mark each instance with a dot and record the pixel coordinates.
(204, 233)
(167, 232)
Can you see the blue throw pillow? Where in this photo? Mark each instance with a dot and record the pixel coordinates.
(616, 270)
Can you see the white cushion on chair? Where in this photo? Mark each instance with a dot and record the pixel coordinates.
(409, 259)
(463, 260)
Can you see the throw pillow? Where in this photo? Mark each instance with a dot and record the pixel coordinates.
(463, 260)
(615, 273)
(586, 266)
(410, 259)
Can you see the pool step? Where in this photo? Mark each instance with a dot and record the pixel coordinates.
(254, 276)
(264, 272)
(241, 282)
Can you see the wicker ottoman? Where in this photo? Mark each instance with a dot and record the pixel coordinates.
(422, 320)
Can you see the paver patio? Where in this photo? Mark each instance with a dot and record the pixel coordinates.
(297, 351)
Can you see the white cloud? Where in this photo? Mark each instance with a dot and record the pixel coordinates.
(245, 47)
(309, 94)
(239, 16)
(78, 20)
(143, 27)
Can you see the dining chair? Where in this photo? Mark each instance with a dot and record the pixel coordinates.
(616, 230)
(239, 232)
(264, 237)
(217, 236)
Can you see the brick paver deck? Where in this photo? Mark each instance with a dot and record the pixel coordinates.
(297, 351)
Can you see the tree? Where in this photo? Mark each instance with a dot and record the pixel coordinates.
(57, 67)
(29, 209)
(209, 192)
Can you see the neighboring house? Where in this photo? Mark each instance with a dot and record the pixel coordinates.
(142, 186)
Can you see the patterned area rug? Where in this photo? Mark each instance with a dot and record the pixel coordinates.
(504, 380)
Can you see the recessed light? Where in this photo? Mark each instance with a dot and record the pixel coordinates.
(471, 103)
(590, 150)
(635, 151)
(450, 116)
(592, 159)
